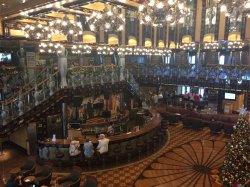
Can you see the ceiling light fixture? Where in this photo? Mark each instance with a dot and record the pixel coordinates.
(66, 26)
(81, 49)
(105, 50)
(159, 12)
(235, 9)
(51, 48)
(37, 31)
(108, 20)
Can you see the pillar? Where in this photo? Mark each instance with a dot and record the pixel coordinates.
(122, 67)
(4, 115)
(62, 66)
(22, 64)
(64, 121)
(131, 103)
(81, 60)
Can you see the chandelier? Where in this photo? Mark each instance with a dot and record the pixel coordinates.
(81, 49)
(37, 31)
(124, 50)
(211, 46)
(66, 26)
(140, 51)
(109, 20)
(189, 46)
(159, 12)
(235, 9)
(50, 48)
(105, 50)
(235, 45)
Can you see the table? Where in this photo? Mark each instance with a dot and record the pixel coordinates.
(29, 180)
(15, 171)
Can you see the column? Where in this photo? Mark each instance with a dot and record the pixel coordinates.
(198, 21)
(62, 66)
(81, 60)
(247, 33)
(64, 121)
(22, 64)
(4, 115)
(122, 67)
(131, 103)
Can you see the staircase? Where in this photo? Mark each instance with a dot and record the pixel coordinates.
(30, 107)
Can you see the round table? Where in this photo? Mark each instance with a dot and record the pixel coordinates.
(15, 171)
(29, 180)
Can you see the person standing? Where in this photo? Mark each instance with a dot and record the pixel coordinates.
(90, 110)
(196, 99)
(88, 149)
(103, 144)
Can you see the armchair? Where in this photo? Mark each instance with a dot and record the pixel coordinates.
(28, 168)
(43, 177)
(71, 180)
(90, 182)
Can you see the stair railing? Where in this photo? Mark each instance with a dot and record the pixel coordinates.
(29, 84)
(30, 98)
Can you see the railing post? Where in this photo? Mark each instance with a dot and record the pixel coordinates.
(3, 115)
(64, 121)
(51, 85)
(20, 106)
(36, 96)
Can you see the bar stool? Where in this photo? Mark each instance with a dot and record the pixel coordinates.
(117, 151)
(59, 155)
(149, 144)
(139, 146)
(155, 139)
(164, 126)
(87, 162)
(160, 135)
(129, 149)
(75, 159)
(104, 159)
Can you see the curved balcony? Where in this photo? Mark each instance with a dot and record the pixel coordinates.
(44, 97)
(216, 77)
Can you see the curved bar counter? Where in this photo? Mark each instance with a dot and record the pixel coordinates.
(151, 136)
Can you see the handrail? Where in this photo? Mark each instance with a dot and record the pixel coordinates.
(23, 86)
(45, 80)
(25, 93)
(26, 101)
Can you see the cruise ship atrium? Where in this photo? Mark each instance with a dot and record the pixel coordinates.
(124, 93)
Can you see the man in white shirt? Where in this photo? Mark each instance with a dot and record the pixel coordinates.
(74, 148)
(103, 144)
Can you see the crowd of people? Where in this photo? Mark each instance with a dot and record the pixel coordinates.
(192, 100)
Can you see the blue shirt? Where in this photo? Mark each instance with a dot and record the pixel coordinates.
(88, 149)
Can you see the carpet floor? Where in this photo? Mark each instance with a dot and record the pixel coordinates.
(185, 161)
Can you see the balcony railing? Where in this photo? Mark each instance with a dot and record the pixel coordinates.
(79, 76)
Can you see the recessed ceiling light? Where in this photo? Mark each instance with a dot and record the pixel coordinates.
(3, 4)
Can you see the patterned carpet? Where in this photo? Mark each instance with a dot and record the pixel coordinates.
(185, 161)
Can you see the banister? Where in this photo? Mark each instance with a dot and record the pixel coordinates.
(25, 85)
(25, 93)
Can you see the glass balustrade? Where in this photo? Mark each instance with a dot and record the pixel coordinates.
(39, 90)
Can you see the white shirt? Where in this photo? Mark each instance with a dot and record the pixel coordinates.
(103, 145)
(74, 148)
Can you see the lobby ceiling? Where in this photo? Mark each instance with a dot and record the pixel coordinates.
(198, 27)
